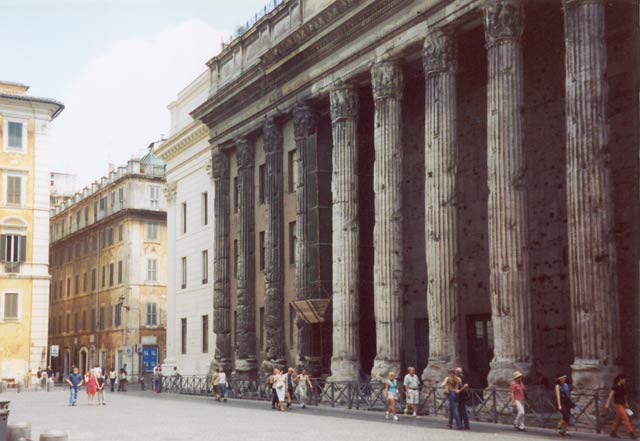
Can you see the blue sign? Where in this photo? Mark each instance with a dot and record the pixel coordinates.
(149, 357)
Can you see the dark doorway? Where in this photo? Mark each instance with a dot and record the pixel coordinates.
(479, 348)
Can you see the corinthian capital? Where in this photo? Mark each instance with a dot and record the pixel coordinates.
(439, 54)
(387, 80)
(503, 20)
(304, 121)
(245, 153)
(272, 136)
(219, 165)
(568, 4)
(344, 101)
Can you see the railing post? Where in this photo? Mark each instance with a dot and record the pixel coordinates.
(596, 400)
(333, 393)
(494, 405)
(434, 391)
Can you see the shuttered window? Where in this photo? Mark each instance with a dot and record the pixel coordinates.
(15, 135)
(14, 190)
(152, 314)
(13, 248)
(11, 306)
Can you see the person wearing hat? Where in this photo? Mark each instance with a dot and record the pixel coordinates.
(563, 400)
(517, 400)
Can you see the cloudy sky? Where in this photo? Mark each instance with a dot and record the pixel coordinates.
(115, 64)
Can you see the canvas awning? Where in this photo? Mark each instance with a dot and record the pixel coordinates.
(311, 311)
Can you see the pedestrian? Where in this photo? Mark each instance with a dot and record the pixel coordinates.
(463, 399)
(271, 379)
(278, 389)
(92, 385)
(391, 394)
(176, 379)
(303, 381)
(222, 385)
(154, 380)
(49, 372)
(112, 378)
(214, 382)
(290, 381)
(564, 403)
(518, 398)
(411, 384)
(100, 388)
(620, 406)
(122, 380)
(451, 386)
(159, 380)
(75, 381)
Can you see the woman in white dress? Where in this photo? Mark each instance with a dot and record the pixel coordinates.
(278, 385)
(304, 383)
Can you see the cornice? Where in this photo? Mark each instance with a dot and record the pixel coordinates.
(185, 138)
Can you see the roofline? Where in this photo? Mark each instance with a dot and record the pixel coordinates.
(36, 99)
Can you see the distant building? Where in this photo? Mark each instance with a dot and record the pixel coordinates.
(62, 187)
(24, 229)
(189, 231)
(108, 254)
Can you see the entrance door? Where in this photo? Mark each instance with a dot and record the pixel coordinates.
(479, 348)
(149, 357)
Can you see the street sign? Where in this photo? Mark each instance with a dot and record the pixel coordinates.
(55, 350)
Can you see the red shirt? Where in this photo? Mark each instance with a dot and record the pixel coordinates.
(517, 390)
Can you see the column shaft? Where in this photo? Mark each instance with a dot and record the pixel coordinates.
(441, 235)
(507, 202)
(304, 127)
(387, 83)
(345, 360)
(245, 365)
(274, 355)
(221, 278)
(592, 254)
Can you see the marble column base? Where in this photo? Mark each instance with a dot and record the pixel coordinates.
(436, 371)
(246, 369)
(343, 369)
(381, 369)
(590, 375)
(268, 366)
(501, 373)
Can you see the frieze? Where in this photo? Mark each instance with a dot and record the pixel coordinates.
(439, 53)
(272, 136)
(387, 80)
(170, 191)
(219, 165)
(503, 20)
(344, 101)
(245, 153)
(304, 121)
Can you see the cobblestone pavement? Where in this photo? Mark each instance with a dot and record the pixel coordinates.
(141, 416)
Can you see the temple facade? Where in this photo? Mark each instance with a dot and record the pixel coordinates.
(456, 180)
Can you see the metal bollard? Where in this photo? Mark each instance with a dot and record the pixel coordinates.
(50, 384)
(19, 431)
(54, 435)
(20, 386)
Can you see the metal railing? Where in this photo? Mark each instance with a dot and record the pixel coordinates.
(267, 9)
(488, 405)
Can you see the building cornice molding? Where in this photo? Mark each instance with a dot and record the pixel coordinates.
(181, 141)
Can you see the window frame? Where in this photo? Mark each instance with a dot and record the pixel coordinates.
(23, 186)
(23, 137)
(18, 306)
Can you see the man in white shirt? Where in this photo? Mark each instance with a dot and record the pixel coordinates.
(411, 384)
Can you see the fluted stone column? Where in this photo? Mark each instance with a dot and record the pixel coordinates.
(246, 364)
(221, 268)
(274, 355)
(592, 253)
(441, 234)
(304, 127)
(387, 81)
(507, 204)
(345, 361)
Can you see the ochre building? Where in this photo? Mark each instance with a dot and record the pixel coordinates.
(24, 230)
(108, 277)
(458, 178)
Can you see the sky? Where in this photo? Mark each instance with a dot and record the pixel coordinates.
(115, 64)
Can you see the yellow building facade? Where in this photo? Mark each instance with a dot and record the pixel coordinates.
(24, 230)
(108, 260)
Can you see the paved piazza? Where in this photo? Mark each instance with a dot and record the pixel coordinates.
(141, 416)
